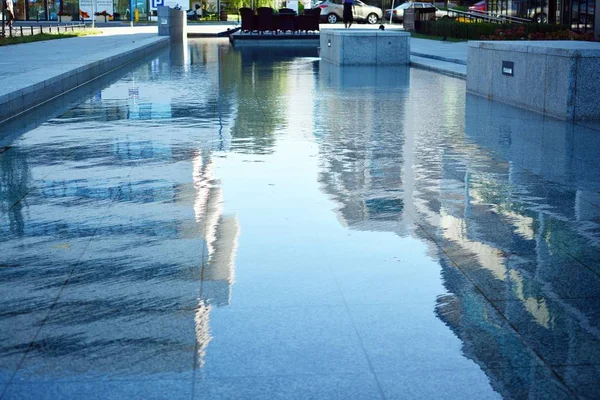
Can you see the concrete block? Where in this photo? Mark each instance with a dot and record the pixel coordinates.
(587, 90)
(163, 11)
(557, 78)
(329, 48)
(358, 50)
(172, 23)
(521, 89)
(479, 74)
(504, 87)
(364, 47)
(558, 73)
(535, 70)
(336, 49)
(391, 51)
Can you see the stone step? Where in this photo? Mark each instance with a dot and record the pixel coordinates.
(442, 67)
(440, 58)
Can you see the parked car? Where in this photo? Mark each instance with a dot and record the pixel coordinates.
(332, 11)
(479, 7)
(536, 14)
(398, 12)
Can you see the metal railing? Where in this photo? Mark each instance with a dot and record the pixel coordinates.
(18, 31)
(486, 17)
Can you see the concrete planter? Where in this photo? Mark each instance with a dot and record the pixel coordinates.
(557, 78)
(365, 47)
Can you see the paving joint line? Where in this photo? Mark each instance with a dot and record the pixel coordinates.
(65, 283)
(358, 335)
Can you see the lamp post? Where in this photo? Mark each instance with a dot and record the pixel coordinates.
(93, 14)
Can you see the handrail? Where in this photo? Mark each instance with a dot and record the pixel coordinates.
(509, 17)
(488, 17)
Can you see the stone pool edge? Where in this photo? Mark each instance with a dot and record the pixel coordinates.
(40, 90)
(454, 70)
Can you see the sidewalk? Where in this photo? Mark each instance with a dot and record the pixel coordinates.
(33, 73)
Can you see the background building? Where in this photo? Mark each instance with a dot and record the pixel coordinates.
(48, 10)
(576, 14)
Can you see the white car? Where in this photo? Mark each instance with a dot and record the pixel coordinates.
(398, 12)
(332, 11)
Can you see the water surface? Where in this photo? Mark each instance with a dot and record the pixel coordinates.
(221, 223)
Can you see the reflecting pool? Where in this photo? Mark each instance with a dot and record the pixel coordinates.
(219, 224)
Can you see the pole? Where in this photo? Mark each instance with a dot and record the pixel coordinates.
(131, 13)
(3, 5)
(597, 21)
(392, 12)
(93, 14)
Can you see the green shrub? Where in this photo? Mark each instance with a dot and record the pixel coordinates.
(483, 30)
(520, 33)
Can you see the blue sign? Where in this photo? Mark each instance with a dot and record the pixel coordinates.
(158, 3)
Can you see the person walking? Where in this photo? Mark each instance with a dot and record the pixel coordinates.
(348, 16)
(10, 12)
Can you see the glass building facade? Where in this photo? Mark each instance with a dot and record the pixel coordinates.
(575, 14)
(48, 10)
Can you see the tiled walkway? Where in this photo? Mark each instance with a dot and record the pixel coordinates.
(219, 224)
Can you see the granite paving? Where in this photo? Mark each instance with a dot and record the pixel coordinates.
(217, 223)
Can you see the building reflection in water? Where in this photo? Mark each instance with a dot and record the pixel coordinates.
(220, 235)
(155, 212)
(362, 161)
(15, 179)
(512, 206)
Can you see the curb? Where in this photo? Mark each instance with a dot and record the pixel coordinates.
(19, 101)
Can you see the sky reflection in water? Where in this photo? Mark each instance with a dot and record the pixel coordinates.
(221, 223)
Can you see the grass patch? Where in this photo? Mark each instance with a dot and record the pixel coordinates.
(46, 36)
(431, 37)
(127, 22)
